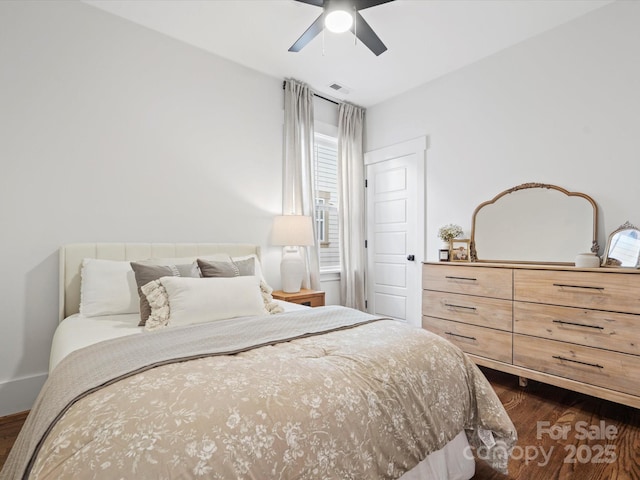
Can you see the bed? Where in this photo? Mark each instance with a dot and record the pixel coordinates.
(306, 393)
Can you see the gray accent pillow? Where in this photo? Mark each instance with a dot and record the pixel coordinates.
(239, 268)
(146, 273)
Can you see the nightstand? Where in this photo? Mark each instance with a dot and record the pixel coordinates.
(310, 298)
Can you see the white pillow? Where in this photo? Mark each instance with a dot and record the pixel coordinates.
(107, 287)
(197, 300)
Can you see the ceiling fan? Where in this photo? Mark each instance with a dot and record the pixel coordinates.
(339, 16)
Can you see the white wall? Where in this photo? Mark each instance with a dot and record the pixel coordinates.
(561, 108)
(112, 132)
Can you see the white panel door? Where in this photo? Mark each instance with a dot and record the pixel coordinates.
(395, 224)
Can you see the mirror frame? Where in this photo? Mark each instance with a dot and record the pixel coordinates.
(594, 243)
(605, 257)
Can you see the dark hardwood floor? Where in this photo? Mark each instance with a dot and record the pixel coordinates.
(9, 428)
(554, 426)
(565, 435)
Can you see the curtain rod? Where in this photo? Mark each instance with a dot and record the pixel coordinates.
(327, 99)
(317, 95)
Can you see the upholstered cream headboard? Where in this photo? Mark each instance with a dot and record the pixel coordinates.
(71, 257)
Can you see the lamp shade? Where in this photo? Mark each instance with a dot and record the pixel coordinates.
(292, 230)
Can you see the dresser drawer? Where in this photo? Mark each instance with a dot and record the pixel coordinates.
(481, 281)
(481, 341)
(616, 371)
(594, 328)
(481, 311)
(602, 291)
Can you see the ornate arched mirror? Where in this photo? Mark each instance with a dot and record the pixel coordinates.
(623, 247)
(534, 223)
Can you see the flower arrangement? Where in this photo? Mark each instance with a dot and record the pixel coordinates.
(449, 232)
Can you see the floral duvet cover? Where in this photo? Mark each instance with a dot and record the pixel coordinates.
(325, 393)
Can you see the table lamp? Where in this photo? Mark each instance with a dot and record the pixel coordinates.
(291, 232)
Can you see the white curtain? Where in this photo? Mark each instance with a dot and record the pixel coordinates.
(352, 206)
(297, 192)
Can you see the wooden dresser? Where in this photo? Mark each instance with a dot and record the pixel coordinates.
(575, 328)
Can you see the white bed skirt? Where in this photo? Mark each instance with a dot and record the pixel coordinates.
(452, 462)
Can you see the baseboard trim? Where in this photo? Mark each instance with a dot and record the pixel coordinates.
(19, 394)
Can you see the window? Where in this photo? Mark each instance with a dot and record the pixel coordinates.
(326, 188)
(323, 200)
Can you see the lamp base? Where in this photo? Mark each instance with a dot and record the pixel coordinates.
(291, 271)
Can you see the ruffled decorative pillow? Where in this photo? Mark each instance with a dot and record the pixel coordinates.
(158, 302)
(270, 304)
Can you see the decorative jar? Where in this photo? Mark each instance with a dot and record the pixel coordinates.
(587, 260)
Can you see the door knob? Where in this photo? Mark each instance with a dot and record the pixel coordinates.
(411, 258)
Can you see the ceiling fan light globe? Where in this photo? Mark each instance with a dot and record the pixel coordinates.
(338, 21)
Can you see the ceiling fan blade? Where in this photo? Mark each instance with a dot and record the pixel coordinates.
(317, 3)
(362, 4)
(310, 34)
(367, 36)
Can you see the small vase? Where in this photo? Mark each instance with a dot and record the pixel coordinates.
(587, 260)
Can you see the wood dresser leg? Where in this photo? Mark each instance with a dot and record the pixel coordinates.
(523, 382)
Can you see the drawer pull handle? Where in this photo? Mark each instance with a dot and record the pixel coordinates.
(451, 305)
(562, 322)
(562, 285)
(558, 357)
(461, 336)
(471, 279)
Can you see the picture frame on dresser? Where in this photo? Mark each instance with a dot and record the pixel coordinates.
(459, 250)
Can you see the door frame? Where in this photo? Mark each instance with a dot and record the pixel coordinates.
(417, 146)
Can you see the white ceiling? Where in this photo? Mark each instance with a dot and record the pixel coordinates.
(425, 38)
